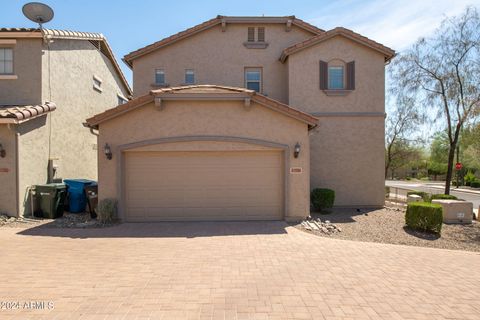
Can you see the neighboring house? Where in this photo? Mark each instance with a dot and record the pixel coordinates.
(183, 150)
(50, 81)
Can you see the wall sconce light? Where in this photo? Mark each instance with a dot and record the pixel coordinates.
(108, 151)
(3, 153)
(296, 151)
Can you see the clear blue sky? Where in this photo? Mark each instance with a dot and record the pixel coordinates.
(132, 24)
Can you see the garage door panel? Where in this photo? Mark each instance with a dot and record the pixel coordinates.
(203, 185)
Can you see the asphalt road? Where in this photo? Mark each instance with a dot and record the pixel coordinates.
(435, 187)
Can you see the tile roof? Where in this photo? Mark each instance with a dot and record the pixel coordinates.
(213, 91)
(70, 35)
(15, 114)
(389, 53)
(213, 22)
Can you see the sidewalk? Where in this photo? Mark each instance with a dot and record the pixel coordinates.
(461, 189)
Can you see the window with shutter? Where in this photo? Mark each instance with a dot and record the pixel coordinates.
(323, 75)
(251, 34)
(261, 34)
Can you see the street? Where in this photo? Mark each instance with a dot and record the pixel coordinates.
(436, 187)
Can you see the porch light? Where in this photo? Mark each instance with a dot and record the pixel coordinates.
(3, 153)
(108, 151)
(296, 151)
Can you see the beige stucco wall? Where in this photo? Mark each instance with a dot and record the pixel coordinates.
(220, 58)
(347, 152)
(27, 66)
(8, 179)
(73, 65)
(33, 158)
(212, 118)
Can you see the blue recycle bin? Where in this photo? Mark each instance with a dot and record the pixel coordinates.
(76, 194)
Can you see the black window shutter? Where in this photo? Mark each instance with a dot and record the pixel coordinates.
(351, 75)
(323, 75)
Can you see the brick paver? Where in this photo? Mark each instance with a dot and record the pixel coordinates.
(257, 270)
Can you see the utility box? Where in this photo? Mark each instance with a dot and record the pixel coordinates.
(456, 211)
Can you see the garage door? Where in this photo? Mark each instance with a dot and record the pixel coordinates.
(162, 186)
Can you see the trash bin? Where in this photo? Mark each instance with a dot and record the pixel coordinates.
(77, 199)
(50, 199)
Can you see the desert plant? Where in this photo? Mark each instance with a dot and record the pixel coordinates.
(469, 178)
(107, 210)
(424, 216)
(387, 192)
(322, 198)
(443, 197)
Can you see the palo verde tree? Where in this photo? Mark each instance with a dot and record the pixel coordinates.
(442, 73)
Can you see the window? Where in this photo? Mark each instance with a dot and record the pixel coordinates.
(261, 34)
(97, 83)
(159, 76)
(189, 76)
(121, 99)
(253, 79)
(251, 34)
(6, 61)
(336, 77)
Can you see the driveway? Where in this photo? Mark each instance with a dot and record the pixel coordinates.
(231, 270)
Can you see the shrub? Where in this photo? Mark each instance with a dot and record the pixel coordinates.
(107, 210)
(387, 192)
(475, 184)
(322, 198)
(469, 178)
(424, 216)
(444, 197)
(425, 196)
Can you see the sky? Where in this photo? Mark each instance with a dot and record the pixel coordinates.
(130, 25)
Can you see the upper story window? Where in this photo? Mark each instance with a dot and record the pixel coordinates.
(121, 99)
(6, 61)
(337, 77)
(97, 83)
(159, 76)
(253, 79)
(189, 76)
(255, 38)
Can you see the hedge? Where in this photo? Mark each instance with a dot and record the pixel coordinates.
(425, 196)
(322, 198)
(444, 197)
(475, 184)
(424, 216)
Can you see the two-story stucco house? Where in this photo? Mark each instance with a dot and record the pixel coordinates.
(50, 81)
(240, 117)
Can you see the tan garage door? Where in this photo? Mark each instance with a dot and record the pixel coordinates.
(229, 185)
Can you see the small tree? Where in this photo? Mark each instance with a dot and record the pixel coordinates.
(443, 73)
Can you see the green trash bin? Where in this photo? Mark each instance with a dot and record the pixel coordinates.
(50, 199)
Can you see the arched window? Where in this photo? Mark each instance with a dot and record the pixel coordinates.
(337, 75)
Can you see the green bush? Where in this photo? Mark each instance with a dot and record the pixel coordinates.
(425, 196)
(475, 184)
(424, 216)
(322, 198)
(107, 210)
(444, 197)
(469, 178)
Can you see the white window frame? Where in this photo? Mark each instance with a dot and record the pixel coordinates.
(121, 98)
(336, 66)
(3, 61)
(160, 71)
(97, 84)
(260, 82)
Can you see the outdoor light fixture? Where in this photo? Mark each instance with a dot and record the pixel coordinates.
(108, 151)
(3, 153)
(296, 151)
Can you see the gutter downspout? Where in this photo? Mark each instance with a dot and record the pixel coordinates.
(17, 170)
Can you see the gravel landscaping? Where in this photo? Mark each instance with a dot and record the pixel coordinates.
(68, 220)
(387, 225)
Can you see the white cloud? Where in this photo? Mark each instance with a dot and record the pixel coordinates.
(396, 24)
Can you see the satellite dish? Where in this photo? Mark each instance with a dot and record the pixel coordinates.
(38, 12)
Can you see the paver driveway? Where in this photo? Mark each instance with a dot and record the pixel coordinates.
(258, 270)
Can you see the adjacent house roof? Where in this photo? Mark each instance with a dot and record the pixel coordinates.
(339, 31)
(216, 21)
(97, 39)
(17, 114)
(199, 92)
